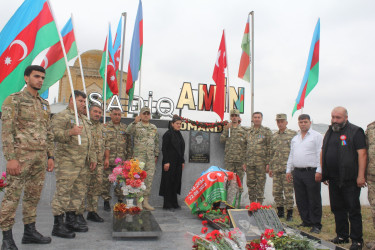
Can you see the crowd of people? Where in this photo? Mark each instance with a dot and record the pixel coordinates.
(85, 154)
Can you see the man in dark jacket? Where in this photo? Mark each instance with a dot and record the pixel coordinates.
(344, 157)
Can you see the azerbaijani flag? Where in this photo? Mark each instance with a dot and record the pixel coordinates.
(54, 61)
(135, 54)
(240, 102)
(244, 70)
(311, 76)
(117, 46)
(29, 31)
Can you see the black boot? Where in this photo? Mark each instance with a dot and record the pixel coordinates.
(81, 220)
(280, 212)
(72, 224)
(94, 217)
(289, 216)
(60, 229)
(107, 207)
(8, 242)
(30, 235)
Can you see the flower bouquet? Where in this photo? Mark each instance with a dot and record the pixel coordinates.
(217, 218)
(3, 184)
(130, 176)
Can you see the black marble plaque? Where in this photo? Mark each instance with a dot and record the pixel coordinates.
(141, 225)
(199, 150)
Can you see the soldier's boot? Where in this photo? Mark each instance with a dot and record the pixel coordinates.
(80, 219)
(289, 216)
(31, 235)
(60, 229)
(93, 216)
(147, 206)
(280, 212)
(107, 207)
(8, 242)
(72, 224)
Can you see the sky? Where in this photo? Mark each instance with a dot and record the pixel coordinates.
(182, 37)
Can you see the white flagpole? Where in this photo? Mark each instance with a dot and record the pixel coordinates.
(105, 75)
(139, 90)
(68, 70)
(252, 62)
(122, 53)
(81, 69)
(226, 59)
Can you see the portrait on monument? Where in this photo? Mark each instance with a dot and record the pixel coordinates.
(199, 149)
(247, 224)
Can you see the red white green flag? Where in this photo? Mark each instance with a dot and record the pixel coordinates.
(244, 70)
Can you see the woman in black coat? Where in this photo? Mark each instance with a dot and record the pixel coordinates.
(173, 149)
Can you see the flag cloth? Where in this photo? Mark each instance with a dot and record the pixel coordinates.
(311, 76)
(117, 46)
(219, 79)
(240, 102)
(244, 70)
(45, 94)
(135, 54)
(54, 61)
(111, 87)
(29, 31)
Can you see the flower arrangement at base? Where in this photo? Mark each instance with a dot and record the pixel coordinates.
(130, 176)
(3, 183)
(120, 210)
(219, 217)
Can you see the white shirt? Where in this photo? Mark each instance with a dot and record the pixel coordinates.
(305, 152)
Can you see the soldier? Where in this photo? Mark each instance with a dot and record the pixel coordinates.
(117, 145)
(258, 141)
(146, 148)
(234, 138)
(370, 136)
(27, 143)
(94, 184)
(71, 170)
(280, 148)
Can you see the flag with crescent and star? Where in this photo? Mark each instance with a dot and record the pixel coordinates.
(54, 62)
(219, 78)
(112, 88)
(117, 46)
(30, 30)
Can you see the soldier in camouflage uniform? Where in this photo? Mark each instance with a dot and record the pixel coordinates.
(370, 136)
(258, 140)
(234, 138)
(27, 142)
(280, 148)
(72, 170)
(117, 145)
(146, 148)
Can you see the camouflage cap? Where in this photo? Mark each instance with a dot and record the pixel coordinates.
(234, 112)
(281, 117)
(145, 109)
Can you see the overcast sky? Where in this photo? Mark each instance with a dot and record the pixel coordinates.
(181, 39)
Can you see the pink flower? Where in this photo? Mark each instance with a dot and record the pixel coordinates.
(112, 177)
(136, 176)
(4, 174)
(118, 160)
(117, 170)
(281, 233)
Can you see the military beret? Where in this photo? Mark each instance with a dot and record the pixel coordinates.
(281, 117)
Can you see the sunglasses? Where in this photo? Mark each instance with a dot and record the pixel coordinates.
(146, 113)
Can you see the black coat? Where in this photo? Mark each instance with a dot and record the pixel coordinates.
(173, 149)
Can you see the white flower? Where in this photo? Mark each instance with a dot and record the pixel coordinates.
(141, 165)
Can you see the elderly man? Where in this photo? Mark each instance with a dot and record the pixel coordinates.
(344, 159)
(304, 165)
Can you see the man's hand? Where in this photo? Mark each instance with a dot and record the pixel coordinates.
(13, 167)
(326, 182)
(183, 165)
(137, 119)
(229, 125)
(361, 181)
(318, 177)
(76, 130)
(267, 168)
(106, 163)
(289, 177)
(166, 167)
(50, 165)
(270, 173)
(244, 167)
(92, 166)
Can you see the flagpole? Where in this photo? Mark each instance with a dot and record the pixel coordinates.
(105, 74)
(226, 58)
(122, 53)
(81, 69)
(139, 90)
(68, 70)
(251, 58)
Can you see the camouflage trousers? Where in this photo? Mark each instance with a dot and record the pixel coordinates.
(150, 169)
(235, 167)
(31, 181)
(106, 189)
(71, 182)
(256, 181)
(282, 190)
(371, 195)
(93, 191)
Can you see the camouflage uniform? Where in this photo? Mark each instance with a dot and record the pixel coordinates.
(257, 157)
(370, 136)
(27, 137)
(234, 149)
(72, 161)
(146, 148)
(118, 142)
(280, 148)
